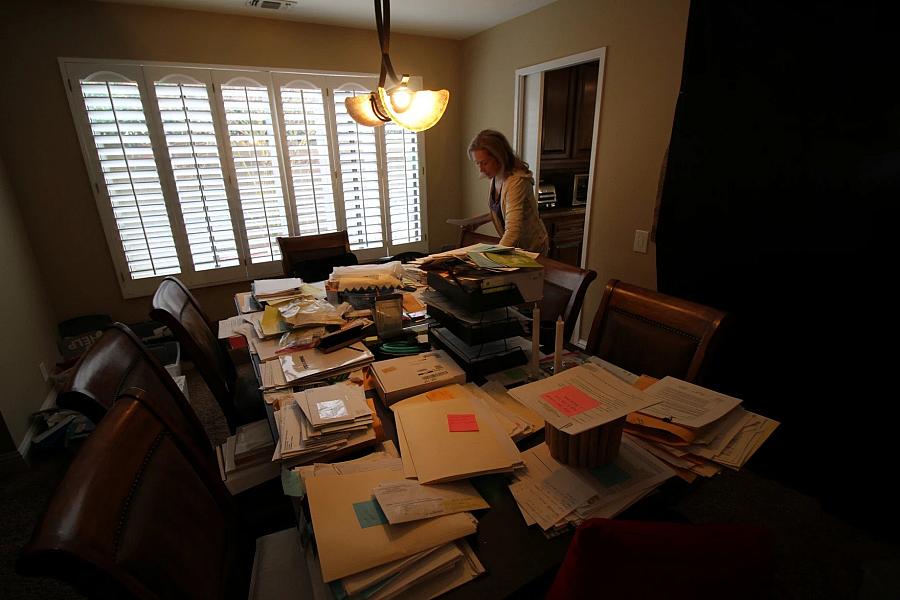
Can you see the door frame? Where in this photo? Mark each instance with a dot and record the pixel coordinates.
(519, 118)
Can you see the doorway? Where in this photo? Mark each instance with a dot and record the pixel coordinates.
(556, 120)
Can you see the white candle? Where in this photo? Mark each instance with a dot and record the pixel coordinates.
(558, 345)
(535, 341)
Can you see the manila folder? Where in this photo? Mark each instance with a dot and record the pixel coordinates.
(349, 543)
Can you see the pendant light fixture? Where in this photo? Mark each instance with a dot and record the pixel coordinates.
(416, 110)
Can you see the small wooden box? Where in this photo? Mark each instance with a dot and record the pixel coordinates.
(592, 448)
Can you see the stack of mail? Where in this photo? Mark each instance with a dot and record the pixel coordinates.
(311, 365)
(556, 496)
(518, 420)
(361, 554)
(273, 290)
(452, 434)
(696, 430)
(335, 408)
(320, 421)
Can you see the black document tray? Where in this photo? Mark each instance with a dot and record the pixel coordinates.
(477, 333)
(475, 300)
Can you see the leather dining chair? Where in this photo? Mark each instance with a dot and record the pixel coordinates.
(649, 333)
(312, 257)
(135, 517)
(677, 561)
(119, 361)
(239, 398)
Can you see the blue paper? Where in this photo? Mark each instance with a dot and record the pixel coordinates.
(369, 514)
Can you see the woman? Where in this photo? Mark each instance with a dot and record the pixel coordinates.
(513, 207)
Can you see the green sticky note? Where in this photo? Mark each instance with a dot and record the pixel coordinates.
(369, 514)
(292, 483)
(610, 475)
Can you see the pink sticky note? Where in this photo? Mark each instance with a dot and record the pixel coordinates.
(570, 400)
(462, 423)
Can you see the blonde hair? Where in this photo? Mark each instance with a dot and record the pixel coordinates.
(495, 143)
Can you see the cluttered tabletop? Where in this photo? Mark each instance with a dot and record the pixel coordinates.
(434, 448)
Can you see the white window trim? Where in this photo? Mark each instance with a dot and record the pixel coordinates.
(143, 73)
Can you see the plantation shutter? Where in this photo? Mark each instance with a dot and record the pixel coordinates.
(358, 163)
(125, 167)
(188, 127)
(247, 109)
(403, 187)
(305, 121)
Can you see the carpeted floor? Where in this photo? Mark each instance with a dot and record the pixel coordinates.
(24, 497)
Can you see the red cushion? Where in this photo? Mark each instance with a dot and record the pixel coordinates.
(636, 559)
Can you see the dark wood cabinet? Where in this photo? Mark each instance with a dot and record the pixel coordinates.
(566, 230)
(567, 126)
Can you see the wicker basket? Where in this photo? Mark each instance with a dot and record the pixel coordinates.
(591, 448)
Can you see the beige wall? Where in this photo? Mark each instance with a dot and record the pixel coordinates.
(41, 151)
(645, 47)
(26, 321)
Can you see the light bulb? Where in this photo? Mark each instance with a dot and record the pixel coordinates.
(401, 98)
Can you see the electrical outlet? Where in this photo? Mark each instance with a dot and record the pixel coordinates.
(44, 372)
(640, 240)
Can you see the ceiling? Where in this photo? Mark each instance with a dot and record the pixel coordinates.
(453, 19)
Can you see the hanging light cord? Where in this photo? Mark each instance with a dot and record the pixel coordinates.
(383, 23)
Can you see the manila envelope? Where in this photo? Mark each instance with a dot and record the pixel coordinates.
(439, 454)
(350, 539)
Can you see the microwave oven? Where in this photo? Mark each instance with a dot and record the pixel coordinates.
(580, 190)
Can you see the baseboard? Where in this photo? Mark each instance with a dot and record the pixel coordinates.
(25, 446)
(11, 463)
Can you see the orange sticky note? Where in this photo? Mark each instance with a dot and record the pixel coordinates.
(462, 422)
(570, 400)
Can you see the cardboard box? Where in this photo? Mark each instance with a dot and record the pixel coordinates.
(407, 376)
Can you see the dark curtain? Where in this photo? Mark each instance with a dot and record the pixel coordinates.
(783, 167)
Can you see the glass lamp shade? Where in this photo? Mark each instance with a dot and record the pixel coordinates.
(423, 112)
(361, 110)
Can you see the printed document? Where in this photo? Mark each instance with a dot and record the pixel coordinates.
(581, 398)
(687, 404)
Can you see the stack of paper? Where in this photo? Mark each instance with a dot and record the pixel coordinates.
(581, 398)
(245, 459)
(253, 443)
(556, 496)
(311, 365)
(453, 438)
(696, 430)
(518, 420)
(366, 277)
(361, 551)
(335, 408)
(274, 289)
(407, 376)
(342, 417)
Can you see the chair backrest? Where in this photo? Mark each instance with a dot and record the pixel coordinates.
(134, 517)
(564, 289)
(119, 361)
(616, 556)
(649, 333)
(175, 307)
(312, 257)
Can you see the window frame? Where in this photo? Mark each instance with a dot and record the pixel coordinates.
(145, 74)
